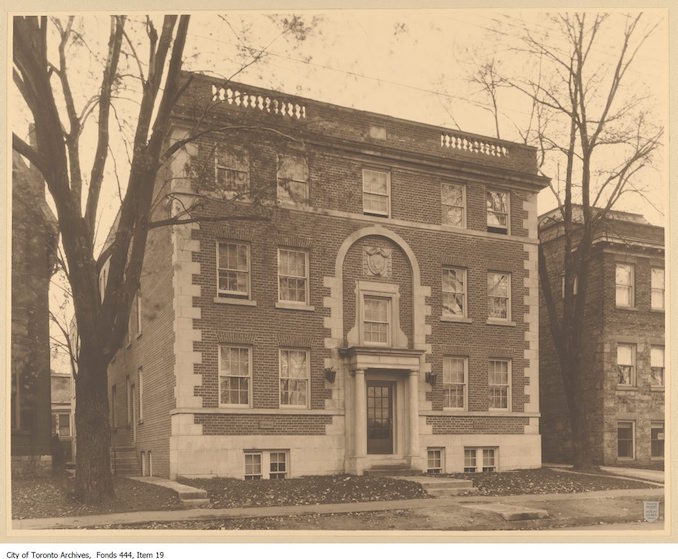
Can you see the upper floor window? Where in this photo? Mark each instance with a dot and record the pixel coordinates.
(232, 171)
(454, 382)
(497, 211)
(233, 269)
(234, 375)
(657, 284)
(295, 372)
(657, 366)
(292, 276)
(499, 295)
(499, 381)
(376, 192)
(454, 292)
(624, 278)
(377, 320)
(575, 285)
(453, 197)
(626, 364)
(293, 179)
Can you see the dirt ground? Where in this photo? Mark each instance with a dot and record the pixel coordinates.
(562, 514)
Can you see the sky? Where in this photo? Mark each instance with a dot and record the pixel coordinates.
(411, 64)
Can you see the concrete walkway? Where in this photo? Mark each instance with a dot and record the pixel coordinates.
(76, 522)
(655, 476)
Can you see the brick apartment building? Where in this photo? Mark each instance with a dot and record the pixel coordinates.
(34, 240)
(380, 308)
(623, 351)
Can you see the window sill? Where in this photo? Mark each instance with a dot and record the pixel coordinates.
(623, 308)
(374, 214)
(448, 226)
(234, 406)
(656, 458)
(657, 388)
(293, 306)
(624, 388)
(495, 322)
(625, 459)
(288, 407)
(463, 319)
(234, 301)
(658, 311)
(498, 410)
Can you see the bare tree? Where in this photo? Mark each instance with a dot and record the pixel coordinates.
(584, 115)
(150, 72)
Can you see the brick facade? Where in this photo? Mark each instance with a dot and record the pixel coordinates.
(205, 436)
(625, 238)
(34, 238)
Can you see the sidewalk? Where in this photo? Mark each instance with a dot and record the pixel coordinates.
(441, 504)
(656, 476)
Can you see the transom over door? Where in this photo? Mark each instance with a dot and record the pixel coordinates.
(380, 417)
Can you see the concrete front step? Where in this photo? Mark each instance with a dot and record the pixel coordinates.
(392, 472)
(449, 491)
(190, 497)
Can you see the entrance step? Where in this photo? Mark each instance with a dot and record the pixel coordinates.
(392, 470)
(190, 497)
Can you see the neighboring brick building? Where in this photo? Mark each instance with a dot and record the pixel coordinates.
(34, 238)
(623, 353)
(384, 312)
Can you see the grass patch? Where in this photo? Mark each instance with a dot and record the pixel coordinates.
(545, 481)
(310, 490)
(54, 497)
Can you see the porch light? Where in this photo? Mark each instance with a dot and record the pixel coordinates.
(330, 374)
(431, 378)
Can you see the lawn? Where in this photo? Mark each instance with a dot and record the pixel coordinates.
(545, 481)
(53, 497)
(231, 493)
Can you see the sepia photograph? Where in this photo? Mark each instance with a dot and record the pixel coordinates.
(347, 272)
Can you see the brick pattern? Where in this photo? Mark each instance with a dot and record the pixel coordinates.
(605, 326)
(257, 425)
(443, 425)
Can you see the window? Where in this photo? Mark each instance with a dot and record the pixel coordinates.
(488, 460)
(294, 375)
(377, 320)
(435, 461)
(575, 285)
(626, 364)
(454, 292)
(656, 366)
(234, 375)
(138, 312)
(140, 381)
(453, 197)
(292, 276)
(64, 424)
(624, 285)
(103, 279)
(657, 283)
(134, 321)
(499, 378)
(497, 211)
(114, 405)
(144, 466)
(231, 171)
(499, 296)
(233, 270)
(480, 460)
(253, 465)
(454, 382)
(657, 439)
(293, 179)
(278, 469)
(625, 439)
(61, 424)
(129, 387)
(376, 192)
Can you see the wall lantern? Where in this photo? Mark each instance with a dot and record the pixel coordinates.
(431, 378)
(330, 374)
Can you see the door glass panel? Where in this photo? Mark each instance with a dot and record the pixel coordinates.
(380, 418)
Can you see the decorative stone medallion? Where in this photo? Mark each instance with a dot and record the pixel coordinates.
(377, 262)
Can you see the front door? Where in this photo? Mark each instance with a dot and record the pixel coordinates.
(379, 417)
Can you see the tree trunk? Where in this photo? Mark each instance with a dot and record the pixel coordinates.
(94, 480)
(581, 443)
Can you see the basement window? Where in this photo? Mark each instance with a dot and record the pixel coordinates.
(480, 460)
(267, 464)
(435, 461)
